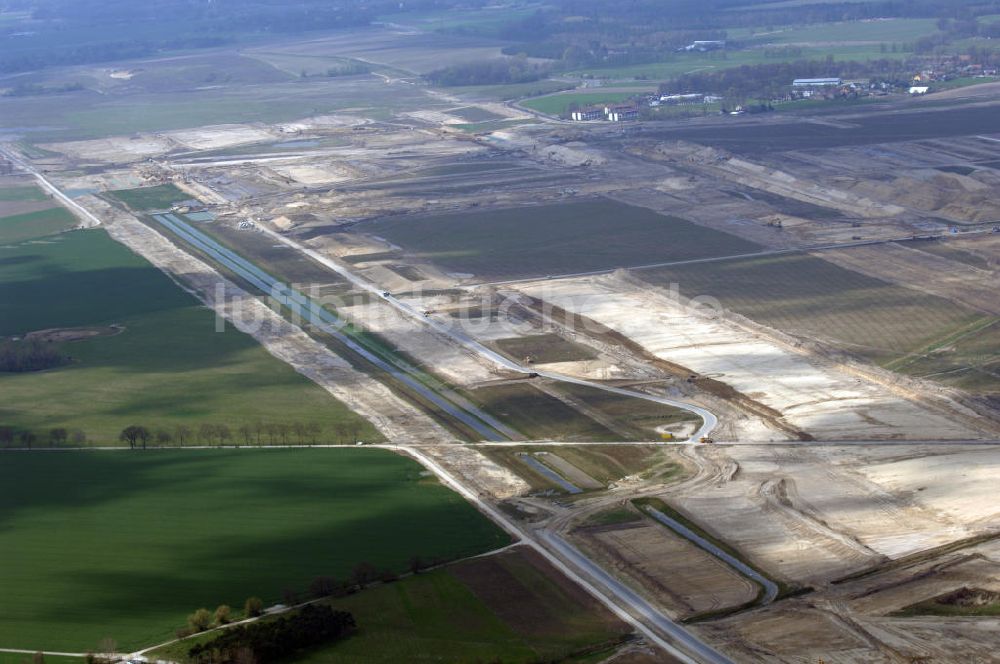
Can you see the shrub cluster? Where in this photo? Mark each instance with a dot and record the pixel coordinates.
(268, 640)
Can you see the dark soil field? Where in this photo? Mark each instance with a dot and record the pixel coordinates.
(544, 348)
(810, 297)
(539, 415)
(869, 129)
(598, 234)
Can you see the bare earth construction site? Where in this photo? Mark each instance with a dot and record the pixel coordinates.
(688, 362)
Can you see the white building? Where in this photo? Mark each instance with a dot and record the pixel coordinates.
(815, 82)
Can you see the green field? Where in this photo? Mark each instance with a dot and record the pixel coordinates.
(18, 658)
(559, 104)
(598, 234)
(22, 193)
(682, 63)
(843, 32)
(885, 323)
(160, 197)
(20, 227)
(169, 367)
(126, 544)
(509, 607)
(970, 602)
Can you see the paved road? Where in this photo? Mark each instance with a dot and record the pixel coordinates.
(685, 639)
(709, 420)
(306, 309)
(660, 630)
(770, 587)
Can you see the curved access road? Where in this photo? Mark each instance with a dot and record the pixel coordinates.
(708, 419)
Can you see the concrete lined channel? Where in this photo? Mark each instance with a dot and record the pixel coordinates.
(453, 404)
(549, 474)
(770, 587)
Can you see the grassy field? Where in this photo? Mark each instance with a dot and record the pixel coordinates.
(22, 193)
(160, 197)
(20, 227)
(680, 63)
(841, 32)
(18, 658)
(559, 104)
(553, 239)
(810, 297)
(545, 348)
(604, 463)
(971, 602)
(131, 542)
(169, 366)
(510, 607)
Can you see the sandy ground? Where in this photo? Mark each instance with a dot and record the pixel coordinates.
(115, 149)
(815, 398)
(454, 363)
(849, 623)
(964, 496)
(682, 577)
(810, 514)
(314, 172)
(220, 136)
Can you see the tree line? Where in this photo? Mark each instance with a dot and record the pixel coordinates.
(138, 436)
(30, 355)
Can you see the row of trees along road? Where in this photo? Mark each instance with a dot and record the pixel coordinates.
(139, 436)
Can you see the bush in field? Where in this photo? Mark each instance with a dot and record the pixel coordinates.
(200, 620)
(253, 607)
(271, 640)
(223, 615)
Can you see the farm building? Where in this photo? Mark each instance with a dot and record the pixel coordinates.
(704, 45)
(621, 113)
(584, 114)
(815, 82)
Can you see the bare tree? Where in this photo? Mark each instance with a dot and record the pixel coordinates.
(284, 430)
(315, 431)
(301, 430)
(271, 430)
(58, 436)
(206, 432)
(246, 434)
(78, 437)
(182, 434)
(223, 433)
(134, 434)
(26, 438)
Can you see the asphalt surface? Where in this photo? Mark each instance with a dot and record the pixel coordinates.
(688, 641)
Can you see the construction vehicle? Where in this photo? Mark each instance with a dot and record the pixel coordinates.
(706, 440)
(667, 435)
